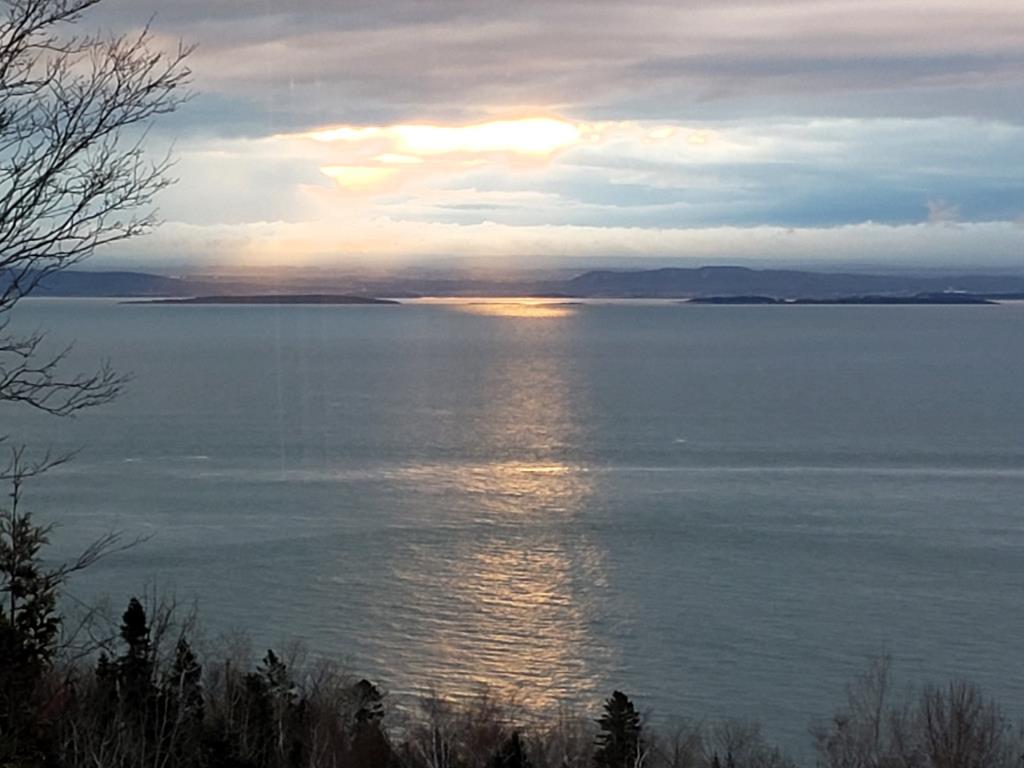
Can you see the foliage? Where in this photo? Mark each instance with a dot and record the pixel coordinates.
(30, 625)
(619, 743)
(231, 713)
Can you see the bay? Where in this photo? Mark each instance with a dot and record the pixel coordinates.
(723, 511)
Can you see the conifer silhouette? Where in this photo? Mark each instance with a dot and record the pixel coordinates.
(510, 754)
(135, 667)
(184, 683)
(619, 743)
(369, 745)
(29, 625)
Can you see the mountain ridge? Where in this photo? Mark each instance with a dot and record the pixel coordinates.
(661, 283)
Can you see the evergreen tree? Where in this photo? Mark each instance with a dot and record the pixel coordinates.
(510, 754)
(29, 626)
(256, 740)
(369, 745)
(275, 674)
(369, 702)
(184, 683)
(180, 710)
(183, 692)
(275, 715)
(620, 743)
(135, 667)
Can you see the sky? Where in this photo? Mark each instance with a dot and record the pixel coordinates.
(344, 133)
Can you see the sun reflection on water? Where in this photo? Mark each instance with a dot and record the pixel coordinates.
(526, 309)
(507, 591)
(501, 492)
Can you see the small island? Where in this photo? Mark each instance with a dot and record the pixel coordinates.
(274, 298)
(917, 299)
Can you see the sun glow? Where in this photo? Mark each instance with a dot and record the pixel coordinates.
(368, 158)
(526, 136)
(410, 158)
(536, 136)
(357, 177)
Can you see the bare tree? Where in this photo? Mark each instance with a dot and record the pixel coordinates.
(74, 171)
(857, 736)
(952, 726)
(74, 176)
(75, 111)
(961, 729)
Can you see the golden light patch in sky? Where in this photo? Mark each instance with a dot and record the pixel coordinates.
(369, 158)
(391, 158)
(535, 136)
(367, 161)
(357, 177)
(662, 133)
(700, 138)
(526, 136)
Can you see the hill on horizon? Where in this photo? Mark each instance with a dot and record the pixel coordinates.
(663, 283)
(683, 282)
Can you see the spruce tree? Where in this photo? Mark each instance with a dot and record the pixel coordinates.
(184, 683)
(510, 754)
(619, 743)
(135, 667)
(29, 627)
(369, 745)
(369, 702)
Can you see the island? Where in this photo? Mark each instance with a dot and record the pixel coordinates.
(273, 298)
(919, 298)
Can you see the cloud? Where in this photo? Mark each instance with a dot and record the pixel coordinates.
(375, 157)
(387, 242)
(941, 212)
(333, 130)
(525, 136)
(788, 173)
(373, 61)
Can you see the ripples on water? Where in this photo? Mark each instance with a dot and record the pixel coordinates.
(721, 510)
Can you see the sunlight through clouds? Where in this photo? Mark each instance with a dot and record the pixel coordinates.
(528, 136)
(609, 188)
(380, 158)
(370, 156)
(357, 177)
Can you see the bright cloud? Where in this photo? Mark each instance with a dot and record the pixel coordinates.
(369, 157)
(528, 136)
(358, 177)
(652, 183)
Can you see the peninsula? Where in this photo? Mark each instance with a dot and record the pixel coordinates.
(272, 298)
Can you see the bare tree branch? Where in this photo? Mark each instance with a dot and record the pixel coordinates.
(75, 175)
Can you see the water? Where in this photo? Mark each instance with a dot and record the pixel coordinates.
(721, 510)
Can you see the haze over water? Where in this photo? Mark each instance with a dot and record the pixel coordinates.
(721, 510)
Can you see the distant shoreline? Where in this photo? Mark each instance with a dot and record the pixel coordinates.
(275, 298)
(951, 299)
(945, 299)
(657, 284)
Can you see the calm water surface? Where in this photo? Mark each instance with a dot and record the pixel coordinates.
(723, 510)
